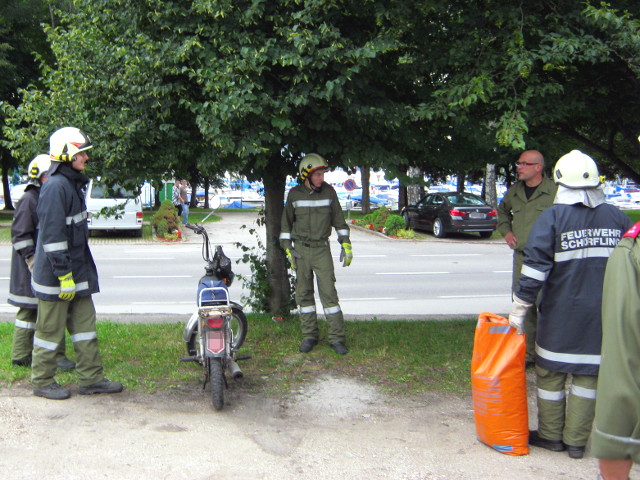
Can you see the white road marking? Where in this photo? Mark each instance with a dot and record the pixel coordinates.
(413, 273)
(152, 276)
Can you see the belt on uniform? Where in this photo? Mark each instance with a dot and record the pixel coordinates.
(312, 244)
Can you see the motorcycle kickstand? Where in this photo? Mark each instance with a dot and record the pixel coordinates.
(206, 380)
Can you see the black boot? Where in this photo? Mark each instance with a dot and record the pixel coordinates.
(308, 344)
(537, 441)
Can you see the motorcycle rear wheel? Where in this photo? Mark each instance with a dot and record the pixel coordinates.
(239, 325)
(216, 379)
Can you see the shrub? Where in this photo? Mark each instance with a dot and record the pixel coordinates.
(393, 224)
(165, 220)
(405, 233)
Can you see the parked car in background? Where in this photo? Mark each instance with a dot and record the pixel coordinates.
(448, 212)
(17, 191)
(125, 209)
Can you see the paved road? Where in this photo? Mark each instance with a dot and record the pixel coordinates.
(388, 278)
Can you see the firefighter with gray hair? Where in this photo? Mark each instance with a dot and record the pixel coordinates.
(24, 235)
(312, 209)
(565, 259)
(64, 274)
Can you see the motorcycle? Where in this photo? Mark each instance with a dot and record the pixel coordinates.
(218, 327)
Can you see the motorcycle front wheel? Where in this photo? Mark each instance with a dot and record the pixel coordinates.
(216, 378)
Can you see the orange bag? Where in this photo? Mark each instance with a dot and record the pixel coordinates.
(499, 387)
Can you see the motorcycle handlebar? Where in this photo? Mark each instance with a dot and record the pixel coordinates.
(196, 228)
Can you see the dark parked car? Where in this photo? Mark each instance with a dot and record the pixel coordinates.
(448, 212)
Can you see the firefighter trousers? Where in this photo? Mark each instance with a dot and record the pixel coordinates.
(561, 418)
(317, 260)
(22, 342)
(78, 317)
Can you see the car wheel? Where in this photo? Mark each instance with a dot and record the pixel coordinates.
(485, 234)
(438, 228)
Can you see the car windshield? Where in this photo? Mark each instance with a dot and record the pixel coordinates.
(465, 200)
(99, 190)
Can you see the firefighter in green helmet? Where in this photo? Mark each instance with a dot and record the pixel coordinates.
(312, 209)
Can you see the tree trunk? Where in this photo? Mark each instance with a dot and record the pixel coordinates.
(193, 201)
(364, 178)
(206, 193)
(402, 191)
(158, 185)
(490, 192)
(278, 280)
(8, 205)
(414, 192)
(461, 179)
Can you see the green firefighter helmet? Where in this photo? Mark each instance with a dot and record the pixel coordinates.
(576, 170)
(310, 163)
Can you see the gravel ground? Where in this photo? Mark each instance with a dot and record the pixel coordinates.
(329, 429)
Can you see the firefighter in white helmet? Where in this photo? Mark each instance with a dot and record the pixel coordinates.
(311, 211)
(65, 275)
(24, 235)
(565, 259)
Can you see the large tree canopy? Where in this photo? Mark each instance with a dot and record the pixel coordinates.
(553, 75)
(21, 39)
(250, 85)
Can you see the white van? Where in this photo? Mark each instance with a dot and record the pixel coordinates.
(128, 213)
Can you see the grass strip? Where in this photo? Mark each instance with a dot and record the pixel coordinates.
(400, 357)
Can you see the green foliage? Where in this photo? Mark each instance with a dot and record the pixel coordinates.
(375, 220)
(406, 233)
(258, 282)
(393, 224)
(165, 221)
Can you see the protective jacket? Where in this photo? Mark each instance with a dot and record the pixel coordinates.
(616, 433)
(566, 256)
(63, 238)
(309, 215)
(24, 233)
(517, 214)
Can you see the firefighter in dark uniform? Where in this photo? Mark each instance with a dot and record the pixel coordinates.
(64, 274)
(24, 234)
(616, 429)
(565, 259)
(311, 211)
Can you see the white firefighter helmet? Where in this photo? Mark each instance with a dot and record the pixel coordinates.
(67, 142)
(38, 166)
(576, 170)
(310, 163)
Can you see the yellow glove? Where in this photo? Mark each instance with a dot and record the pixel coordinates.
(346, 254)
(67, 287)
(292, 256)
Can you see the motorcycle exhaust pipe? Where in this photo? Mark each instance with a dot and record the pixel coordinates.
(234, 369)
